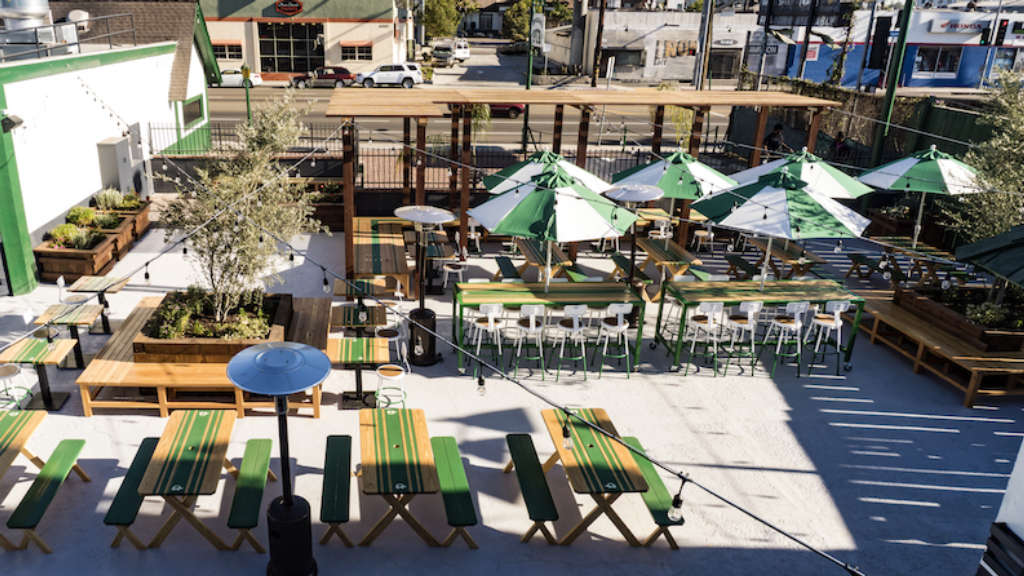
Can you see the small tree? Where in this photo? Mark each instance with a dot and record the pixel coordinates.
(440, 18)
(515, 23)
(231, 253)
(558, 13)
(1000, 174)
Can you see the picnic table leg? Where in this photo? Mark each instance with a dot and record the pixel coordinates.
(170, 523)
(104, 319)
(848, 350)
(603, 507)
(639, 334)
(679, 339)
(183, 508)
(398, 508)
(657, 323)
(79, 357)
(459, 333)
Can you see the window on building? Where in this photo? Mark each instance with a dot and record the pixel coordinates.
(1011, 59)
(354, 52)
(192, 111)
(937, 60)
(290, 47)
(227, 51)
(487, 21)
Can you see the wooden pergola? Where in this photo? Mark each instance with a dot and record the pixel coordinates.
(424, 104)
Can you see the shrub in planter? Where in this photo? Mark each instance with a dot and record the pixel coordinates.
(73, 252)
(73, 237)
(112, 201)
(81, 216)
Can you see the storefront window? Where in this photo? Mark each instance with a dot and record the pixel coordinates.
(357, 52)
(943, 60)
(227, 51)
(287, 47)
(1011, 59)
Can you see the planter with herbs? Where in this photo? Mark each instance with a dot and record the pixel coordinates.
(184, 327)
(119, 226)
(133, 208)
(971, 314)
(72, 252)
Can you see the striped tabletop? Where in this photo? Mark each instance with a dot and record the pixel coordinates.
(647, 215)
(188, 458)
(348, 316)
(70, 314)
(775, 291)
(555, 294)
(536, 253)
(358, 350)
(595, 464)
(37, 351)
(788, 252)
(361, 287)
(666, 252)
(15, 429)
(108, 284)
(396, 453)
(906, 244)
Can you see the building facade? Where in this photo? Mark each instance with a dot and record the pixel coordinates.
(283, 38)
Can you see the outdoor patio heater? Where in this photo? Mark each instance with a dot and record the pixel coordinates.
(279, 369)
(423, 343)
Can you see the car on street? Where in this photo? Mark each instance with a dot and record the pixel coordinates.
(443, 57)
(404, 75)
(513, 111)
(461, 49)
(325, 77)
(232, 78)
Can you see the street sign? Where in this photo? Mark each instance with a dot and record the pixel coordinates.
(537, 30)
(795, 12)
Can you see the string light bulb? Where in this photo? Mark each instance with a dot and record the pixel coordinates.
(327, 285)
(184, 247)
(675, 513)
(566, 436)
(887, 275)
(946, 284)
(312, 163)
(481, 386)
(145, 274)
(839, 247)
(765, 217)
(291, 256)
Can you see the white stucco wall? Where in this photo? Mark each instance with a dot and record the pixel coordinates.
(55, 148)
(196, 87)
(1012, 509)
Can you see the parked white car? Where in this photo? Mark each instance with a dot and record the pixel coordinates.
(233, 78)
(404, 75)
(460, 49)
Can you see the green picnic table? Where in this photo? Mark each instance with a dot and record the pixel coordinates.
(350, 316)
(928, 261)
(776, 292)
(72, 316)
(472, 295)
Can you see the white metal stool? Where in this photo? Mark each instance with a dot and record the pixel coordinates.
(826, 325)
(10, 375)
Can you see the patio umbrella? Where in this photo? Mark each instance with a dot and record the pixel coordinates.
(521, 173)
(819, 175)
(679, 175)
(781, 205)
(632, 194)
(1002, 255)
(553, 207)
(928, 172)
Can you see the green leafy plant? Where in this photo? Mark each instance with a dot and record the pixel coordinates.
(987, 314)
(130, 202)
(515, 22)
(109, 199)
(188, 314)
(81, 216)
(440, 18)
(71, 236)
(107, 221)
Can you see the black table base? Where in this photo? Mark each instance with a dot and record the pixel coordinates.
(358, 400)
(49, 401)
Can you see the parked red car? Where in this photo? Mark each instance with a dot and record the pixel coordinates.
(325, 77)
(511, 110)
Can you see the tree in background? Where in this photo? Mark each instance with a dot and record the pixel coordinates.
(558, 13)
(983, 215)
(695, 6)
(441, 18)
(515, 23)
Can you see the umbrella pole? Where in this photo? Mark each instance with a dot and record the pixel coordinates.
(764, 263)
(917, 225)
(632, 249)
(547, 270)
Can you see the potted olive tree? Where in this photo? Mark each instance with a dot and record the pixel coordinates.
(232, 253)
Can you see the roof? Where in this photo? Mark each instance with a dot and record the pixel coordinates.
(1002, 255)
(354, 102)
(154, 21)
(336, 10)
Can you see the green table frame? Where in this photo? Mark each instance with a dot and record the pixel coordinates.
(690, 294)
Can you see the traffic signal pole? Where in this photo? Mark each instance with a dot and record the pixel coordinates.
(892, 80)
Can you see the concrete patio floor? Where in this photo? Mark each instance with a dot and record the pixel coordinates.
(879, 466)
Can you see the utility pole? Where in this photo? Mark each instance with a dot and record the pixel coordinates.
(807, 38)
(597, 45)
(529, 73)
(993, 35)
(704, 39)
(764, 43)
(867, 46)
(891, 81)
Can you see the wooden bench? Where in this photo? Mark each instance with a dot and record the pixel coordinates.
(506, 269)
(740, 268)
(37, 500)
(247, 503)
(940, 352)
(576, 275)
(458, 501)
(657, 498)
(540, 506)
(125, 507)
(622, 266)
(859, 262)
(334, 500)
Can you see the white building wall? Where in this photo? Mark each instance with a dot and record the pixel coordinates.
(380, 34)
(57, 156)
(196, 87)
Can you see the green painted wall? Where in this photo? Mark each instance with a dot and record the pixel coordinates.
(21, 264)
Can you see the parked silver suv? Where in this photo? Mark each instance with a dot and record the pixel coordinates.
(404, 75)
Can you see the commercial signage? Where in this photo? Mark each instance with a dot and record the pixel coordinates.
(954, 26)
(288, 7)
(835, 13)
(725, 42)
(537, 30)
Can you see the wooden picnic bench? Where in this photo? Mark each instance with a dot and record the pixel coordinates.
(506, 270)
(458, 501)
(337, 486)
(740, 268)
(125, 507)
(657, 498)
(247, 503)
(666, 255)
(380, 252)
(114, 368)
(540, 506)
(798, 258)
(943, 354)
(926, 261)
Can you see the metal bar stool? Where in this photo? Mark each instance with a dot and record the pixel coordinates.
(615, 325)
(789, 327)
(570, 328)
(826, 325)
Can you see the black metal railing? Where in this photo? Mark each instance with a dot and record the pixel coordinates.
(51, 38)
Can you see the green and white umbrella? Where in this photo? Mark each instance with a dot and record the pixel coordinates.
(820, 176)
(781, 205)
(521, 173)
(679, 175)
(553, 207)
(929, 171)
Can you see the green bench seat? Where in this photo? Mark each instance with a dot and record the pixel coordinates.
(458, 501)
(657, 497)
(247, 503)
(37, 500)
(575, 275)
(540, 506)
(622, 265)
(738, 264)
(334, 499)
(506, 269)
(125, 507)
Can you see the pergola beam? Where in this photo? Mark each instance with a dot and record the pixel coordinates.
(556, 134)
(421, 161)
(762, 124)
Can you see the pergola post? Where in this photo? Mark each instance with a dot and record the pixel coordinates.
(467, 127)
(813, 128)
(556, 134)
(421, 161)
(348, 179)
(453, 170)
(696, 135)
(762, 124)
(658, 130)
(407, 153)
(582, 136)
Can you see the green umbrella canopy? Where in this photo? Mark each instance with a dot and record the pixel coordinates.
(1002, 255)
(820, 176)
(521, 173)
(930, 171)
(554, 206)
(780, 205)
(679, 175)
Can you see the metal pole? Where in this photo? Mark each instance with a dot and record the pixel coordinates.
(867, 48)
(704, 40)
(529, 75)
(597, 45)
(892, 79)
(917, 225)
(632, 247)
(764, 44)
(807, 38)
(988, 51)
(421, 262)
(281, 404)
(764, 263)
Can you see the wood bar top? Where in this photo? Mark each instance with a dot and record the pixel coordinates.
(38, 351)
(596, 464)
(775, 291)
(188, 458)
(555, 295)
(396, 453)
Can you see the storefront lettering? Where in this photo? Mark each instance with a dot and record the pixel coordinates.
(288, 7)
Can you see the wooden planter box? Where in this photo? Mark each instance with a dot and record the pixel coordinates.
(211, 350)
(53, 262)
(986, 340)
(331, 215)
(123, 235)
(139, 218)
